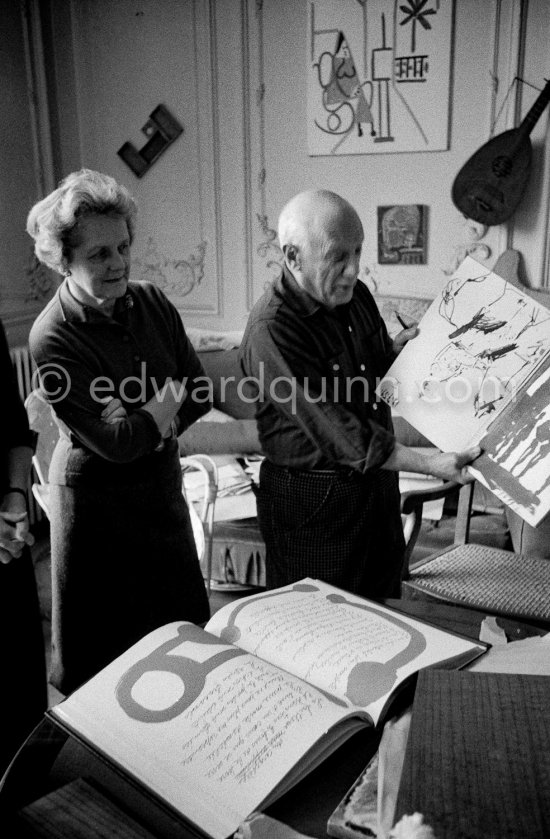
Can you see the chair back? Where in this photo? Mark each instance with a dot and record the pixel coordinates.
(202, 523)
(42, 422)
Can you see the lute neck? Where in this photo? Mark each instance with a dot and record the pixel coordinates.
(532, 116)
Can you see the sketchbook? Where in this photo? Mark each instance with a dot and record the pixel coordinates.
(220, 722)
(479, 373)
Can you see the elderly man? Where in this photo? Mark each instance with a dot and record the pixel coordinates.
(314, 349)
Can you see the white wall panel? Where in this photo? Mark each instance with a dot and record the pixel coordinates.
(132, 56)
(234, 73)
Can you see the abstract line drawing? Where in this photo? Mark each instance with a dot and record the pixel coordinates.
(378, 77)
(416, 13)
(501, 339)
(479, 342)
(344, 97)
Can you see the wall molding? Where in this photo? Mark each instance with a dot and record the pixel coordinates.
(175, 277)
(201, 291)
(38, 96)
(265, 254)
(208, 144)
(247, 45)
(22, 306)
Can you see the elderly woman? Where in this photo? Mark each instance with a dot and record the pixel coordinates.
(23, 699)
(124, 381)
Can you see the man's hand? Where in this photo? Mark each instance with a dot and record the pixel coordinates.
(14, 535)
(407, 334)
(452, 466)
(5, 557)
(449, 466)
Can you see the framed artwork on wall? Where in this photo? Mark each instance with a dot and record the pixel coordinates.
(379, 76)
(402, 234)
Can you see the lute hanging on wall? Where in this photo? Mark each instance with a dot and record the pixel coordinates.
(491, 183)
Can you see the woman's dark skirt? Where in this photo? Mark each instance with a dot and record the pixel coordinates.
(124, 562)
(23, 697)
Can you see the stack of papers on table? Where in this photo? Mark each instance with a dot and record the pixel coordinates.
(235, 499)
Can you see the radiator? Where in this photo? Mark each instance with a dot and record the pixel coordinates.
(24, 368)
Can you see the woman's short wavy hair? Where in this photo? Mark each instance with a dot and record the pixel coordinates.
(52, 221)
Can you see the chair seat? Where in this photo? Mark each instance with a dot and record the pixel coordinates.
(238, 553)
(486, 578)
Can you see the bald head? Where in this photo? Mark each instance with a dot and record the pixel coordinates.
(321, 236)
(313, 214)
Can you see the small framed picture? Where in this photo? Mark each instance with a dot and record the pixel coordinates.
(402, 234)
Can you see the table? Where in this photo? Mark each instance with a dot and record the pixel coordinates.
(50, 758)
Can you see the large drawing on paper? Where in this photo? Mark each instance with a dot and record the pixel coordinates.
(378, 75)
(479, 341)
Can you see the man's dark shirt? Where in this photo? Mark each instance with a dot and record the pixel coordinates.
(315, 372)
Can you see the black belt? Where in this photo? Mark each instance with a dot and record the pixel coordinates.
(343, 472)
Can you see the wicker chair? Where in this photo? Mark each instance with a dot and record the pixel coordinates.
(478, 576)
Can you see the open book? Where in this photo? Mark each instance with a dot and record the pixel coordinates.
(479, 372)
(220, 722)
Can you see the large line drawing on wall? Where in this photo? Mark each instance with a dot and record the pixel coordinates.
(378, 75)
